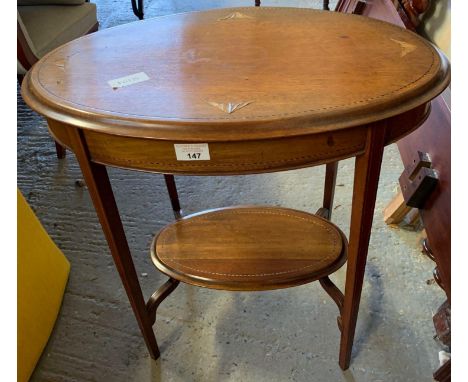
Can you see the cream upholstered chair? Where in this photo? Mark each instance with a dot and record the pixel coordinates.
(44, 25)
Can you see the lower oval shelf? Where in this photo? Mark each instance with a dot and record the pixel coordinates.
(249, 248)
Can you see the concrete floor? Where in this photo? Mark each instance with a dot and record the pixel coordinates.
(205, 335)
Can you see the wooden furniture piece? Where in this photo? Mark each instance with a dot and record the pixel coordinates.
(43, 25)
(228, 249)
(240, 91)
(431, 139)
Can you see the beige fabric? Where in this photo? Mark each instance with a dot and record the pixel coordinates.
(25, 33)
(436, 25)
(50, 26)
(19, 68)
(50, 2)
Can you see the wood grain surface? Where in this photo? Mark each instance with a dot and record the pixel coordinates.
(266, 89)
(249, 248)
(239, 73)
(236, 157)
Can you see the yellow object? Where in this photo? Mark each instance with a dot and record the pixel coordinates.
(42, 276)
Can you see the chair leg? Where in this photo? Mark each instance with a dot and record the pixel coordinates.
(173, 195)
(326, 4)
(138, 8)
(60, 150)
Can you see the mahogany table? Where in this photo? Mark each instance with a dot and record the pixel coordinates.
(240, 91)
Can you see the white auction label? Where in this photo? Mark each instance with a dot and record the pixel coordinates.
(128, 80)
(192, 151)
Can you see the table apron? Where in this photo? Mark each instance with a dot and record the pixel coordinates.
(237, 157)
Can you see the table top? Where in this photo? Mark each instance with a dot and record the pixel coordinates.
(238, 73)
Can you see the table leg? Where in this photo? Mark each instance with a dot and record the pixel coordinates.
(173, 195)
(97, 180)
(329, 189)
(366, 179)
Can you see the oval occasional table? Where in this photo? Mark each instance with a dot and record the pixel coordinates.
(240, 91)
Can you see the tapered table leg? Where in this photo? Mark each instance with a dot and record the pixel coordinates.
(138, 8)
(97, 180)
(173, 195)
(329, 190)
(366, 178)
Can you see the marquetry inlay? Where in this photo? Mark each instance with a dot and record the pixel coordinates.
(229, 107)
(405, 47)
(235, 15)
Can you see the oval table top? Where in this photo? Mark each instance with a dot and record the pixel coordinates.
(238, 73)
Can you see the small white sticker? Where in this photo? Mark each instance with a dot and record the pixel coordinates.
(192, 151)
(128, 80)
